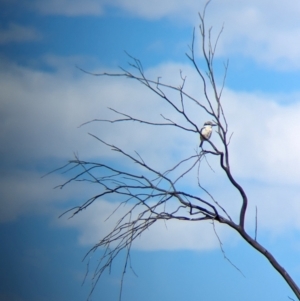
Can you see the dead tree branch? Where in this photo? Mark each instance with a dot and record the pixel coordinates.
(151, 195)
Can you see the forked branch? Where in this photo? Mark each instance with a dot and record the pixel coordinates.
(151, 195)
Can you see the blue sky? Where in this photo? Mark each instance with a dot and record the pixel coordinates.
(45, 98)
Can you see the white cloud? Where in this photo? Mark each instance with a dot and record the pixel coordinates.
(71, 8)
(16, 33)
(273, 155)
(266, 32)
(145, 9)
(261, 30)
(157, 9)
(278, 208)
(25, 192)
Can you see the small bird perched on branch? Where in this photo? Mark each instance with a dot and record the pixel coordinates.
(206, 132)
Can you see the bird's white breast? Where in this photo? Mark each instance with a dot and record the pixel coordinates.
(206, 132)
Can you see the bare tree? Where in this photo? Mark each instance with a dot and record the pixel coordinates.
(149, 191)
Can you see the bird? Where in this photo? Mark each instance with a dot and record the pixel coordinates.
(206, 131)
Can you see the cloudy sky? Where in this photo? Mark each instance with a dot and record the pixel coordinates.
(45, 98)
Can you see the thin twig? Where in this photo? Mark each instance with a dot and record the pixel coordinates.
(223, 252)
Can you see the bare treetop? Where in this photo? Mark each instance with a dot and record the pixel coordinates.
(152, 195)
